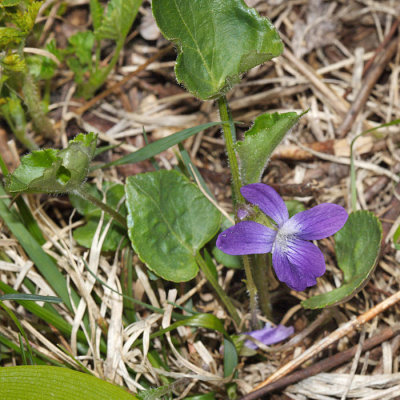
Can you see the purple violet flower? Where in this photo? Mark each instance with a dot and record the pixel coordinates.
(296, 261)
(269, 335)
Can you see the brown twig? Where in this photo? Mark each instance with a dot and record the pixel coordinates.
(323, 365)
(374, 73)
(119, 84)
(332, 338)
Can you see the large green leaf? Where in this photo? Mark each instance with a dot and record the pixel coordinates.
(217, 41)
(169, 220)
(54, 171)
(260, 141)
(357, 250)
(42, 383)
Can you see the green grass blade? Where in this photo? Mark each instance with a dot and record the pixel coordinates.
(22, 332)
(31, 297)
(43, 262)
(158, 146)
(29, 221)
(46, 315)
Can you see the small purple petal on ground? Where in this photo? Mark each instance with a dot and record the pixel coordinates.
(321, 221)
(246, 237)
(268, 200)
(269, 335)
(298, 263)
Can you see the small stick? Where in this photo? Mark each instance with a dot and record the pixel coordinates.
(381, 46)
(323, 365)
(362, 96)
(332, 338)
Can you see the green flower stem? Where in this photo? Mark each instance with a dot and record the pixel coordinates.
(251, 269)
(230, 136)
(220, 292)
(261, 268)
(103, 206)
(252, 289)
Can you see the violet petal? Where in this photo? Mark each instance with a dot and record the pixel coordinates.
(320, 222)
(246, 237)
(298, 263)
(268, 200)
(242, 213)
(269, 335)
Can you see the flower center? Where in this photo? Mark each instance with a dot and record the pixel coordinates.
(286, 233)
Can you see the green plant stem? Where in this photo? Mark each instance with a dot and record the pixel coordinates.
(220, 292)
(230, 137)
(103, 206)
(261, 268)
(252, 289)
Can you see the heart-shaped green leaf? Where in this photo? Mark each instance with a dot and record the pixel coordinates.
(54, 171)
(169, 220)
(357, 250)
(42, 382)
(260, 141)
(217, 41)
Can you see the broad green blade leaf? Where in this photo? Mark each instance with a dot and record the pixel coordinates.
(231, 358)
(43, 382)
(54, 171)
(217, 41)
(357, 250)
(118, 19)
(259, 143)
(169, 220)
(157, 147)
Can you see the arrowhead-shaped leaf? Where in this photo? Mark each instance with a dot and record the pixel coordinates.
(169, 220)
(217, 41)
(260, 141)
(357, 250)
(54, 171)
